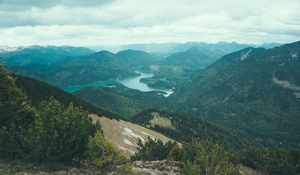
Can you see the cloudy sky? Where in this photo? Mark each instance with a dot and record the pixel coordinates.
(116, 22)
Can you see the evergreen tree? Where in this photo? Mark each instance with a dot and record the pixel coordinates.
(101, 152)
(153, 150)
(207, 159)
(63, 133)
(16, 116)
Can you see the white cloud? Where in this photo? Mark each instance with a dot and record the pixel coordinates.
(140, 21)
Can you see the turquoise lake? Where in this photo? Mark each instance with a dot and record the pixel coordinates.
(130, 82)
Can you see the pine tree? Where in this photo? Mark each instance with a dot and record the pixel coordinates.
(14, 105)
(63, 132)
(16, 117)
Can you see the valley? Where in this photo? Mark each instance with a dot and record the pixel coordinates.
(243, 100)
(130, 82)
(137, 87)
(223, 90)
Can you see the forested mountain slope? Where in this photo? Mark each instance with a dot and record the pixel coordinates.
(187, 129)
(253, 90)
(39, 91)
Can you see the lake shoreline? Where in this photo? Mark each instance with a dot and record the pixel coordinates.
(132, 82)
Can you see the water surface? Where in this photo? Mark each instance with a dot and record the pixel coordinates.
(73, 89)
(136, 83)
(130, 82)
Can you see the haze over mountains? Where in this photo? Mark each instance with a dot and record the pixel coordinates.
(221, 46)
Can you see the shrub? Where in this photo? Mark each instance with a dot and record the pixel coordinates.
(61, 134)
(102, 153)
(275, 161)
(153, 150)
(16, 116)
(206, 159)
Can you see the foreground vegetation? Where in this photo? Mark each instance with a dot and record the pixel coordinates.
(51, 132)
(208, 158)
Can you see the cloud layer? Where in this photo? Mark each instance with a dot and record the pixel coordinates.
(109, 22)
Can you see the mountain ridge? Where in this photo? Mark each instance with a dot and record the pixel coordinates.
(241, 93)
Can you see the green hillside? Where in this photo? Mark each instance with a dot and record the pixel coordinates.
(39, 91)
(253, 90)
(188, 129)
(121, 100)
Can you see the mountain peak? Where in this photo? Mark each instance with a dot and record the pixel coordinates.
(103, 53)
(129, 51)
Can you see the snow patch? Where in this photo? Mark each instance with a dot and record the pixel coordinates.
(297, 94)
(126, 141)
(130, 133)
(8, 49)
(168, 92)
(126, 149)
(287, 85)
(293, 55)
(245, 55)
(227, 98)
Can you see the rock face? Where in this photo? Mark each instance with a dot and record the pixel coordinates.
(162, 167)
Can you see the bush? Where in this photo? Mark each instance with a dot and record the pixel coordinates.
(16, 116)
(61, 134)
(275, 161)
(154, 150)
(205, 159)
(102, 153)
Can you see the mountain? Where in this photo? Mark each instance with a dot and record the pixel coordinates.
(171, 71)
(122, 100)
(187, 129)
(99, 66)
(7, 49)
(134, 105)
(39, 91)
(67, 66)
(192, 59)
(253, 90)
(270, 45)
(137, 58)
(42, 62)
(220, 47)
(259, 96)
(123, 133)
(43, 55)
(77, 69)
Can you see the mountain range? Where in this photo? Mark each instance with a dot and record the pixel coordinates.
(235, 109)
(254, 90)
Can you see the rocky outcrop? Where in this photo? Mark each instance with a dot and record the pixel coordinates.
(162, 167)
